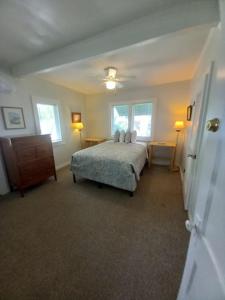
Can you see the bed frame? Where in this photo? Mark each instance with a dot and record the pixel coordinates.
(100, 185)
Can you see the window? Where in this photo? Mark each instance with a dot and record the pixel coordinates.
(142, 119)
(134, 116)
(120, 114)
(48, 119)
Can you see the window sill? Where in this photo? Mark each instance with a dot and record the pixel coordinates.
(59, 143)
(145, 139)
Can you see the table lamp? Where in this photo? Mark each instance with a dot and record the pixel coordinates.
(78, 127)
(178, 125)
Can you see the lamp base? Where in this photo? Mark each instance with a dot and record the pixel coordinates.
(80, 140)
(175, 169)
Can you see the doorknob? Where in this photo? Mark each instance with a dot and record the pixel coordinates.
(196, 225)
(193, 156)
(213, 125)
(189, 225)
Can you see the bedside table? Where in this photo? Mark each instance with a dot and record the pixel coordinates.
(93, 141)
(172, 146)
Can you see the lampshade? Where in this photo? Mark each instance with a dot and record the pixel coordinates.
(178, 125)
(78, 125)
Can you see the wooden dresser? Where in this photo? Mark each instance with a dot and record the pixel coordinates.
(28, 160)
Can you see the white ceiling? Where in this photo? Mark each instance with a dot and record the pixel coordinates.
(70, 42)
(163, 60)
(32, 27)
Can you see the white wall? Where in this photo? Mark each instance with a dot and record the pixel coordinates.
(21, 97)
(171, 103)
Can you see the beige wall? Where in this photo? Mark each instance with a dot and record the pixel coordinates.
(171, 102)
(70, 101)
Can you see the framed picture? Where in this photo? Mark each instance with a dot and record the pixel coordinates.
(76, 117)
(189, 112)
(13, 117)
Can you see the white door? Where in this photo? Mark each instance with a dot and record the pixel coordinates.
(192, 137)
(204, 272)
(195, 137)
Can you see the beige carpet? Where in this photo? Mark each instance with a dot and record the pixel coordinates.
(76, 241)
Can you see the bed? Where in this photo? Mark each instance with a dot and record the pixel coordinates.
(115, 164)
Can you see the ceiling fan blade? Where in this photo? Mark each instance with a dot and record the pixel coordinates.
(119, 85)
(125, 78)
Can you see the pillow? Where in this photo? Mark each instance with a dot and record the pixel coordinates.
(133, 136)
(122, 136)
(127, 137)
(116, 136)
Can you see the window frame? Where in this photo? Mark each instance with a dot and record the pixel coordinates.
(45, 101)
(130, 104)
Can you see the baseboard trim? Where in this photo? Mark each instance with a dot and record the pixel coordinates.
(63, 165)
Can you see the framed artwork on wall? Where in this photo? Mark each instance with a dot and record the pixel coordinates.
(189, 112)
(13, 117)
(76, 117)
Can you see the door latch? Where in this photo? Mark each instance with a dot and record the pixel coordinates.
(193, 156)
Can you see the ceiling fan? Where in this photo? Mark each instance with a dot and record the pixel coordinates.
(112, 81)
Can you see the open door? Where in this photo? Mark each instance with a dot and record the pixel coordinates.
(204, 273)
(200, 103)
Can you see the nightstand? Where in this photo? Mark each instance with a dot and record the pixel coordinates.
(93, 141)
(172, 146)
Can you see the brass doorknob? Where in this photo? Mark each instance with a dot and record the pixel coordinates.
(213, 125)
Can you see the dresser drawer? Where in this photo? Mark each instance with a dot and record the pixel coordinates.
(33, 172)
(33, 152)
(25, 154)
(27, 141)
(43, 150)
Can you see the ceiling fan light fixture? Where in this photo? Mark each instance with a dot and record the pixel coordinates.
(110, 84)
(111, 72)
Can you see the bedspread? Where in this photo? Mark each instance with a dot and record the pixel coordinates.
(116, 164)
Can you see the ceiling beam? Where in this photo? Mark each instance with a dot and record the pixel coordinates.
(179, 17)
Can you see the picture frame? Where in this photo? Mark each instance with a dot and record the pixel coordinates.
(189, 112)
(13, 117)
(76, 117)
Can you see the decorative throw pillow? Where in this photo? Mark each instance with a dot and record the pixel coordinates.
(133, 136)
(122, 136)
(127, 137)
(116, 136)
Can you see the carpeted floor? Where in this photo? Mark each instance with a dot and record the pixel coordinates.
(66, 241)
